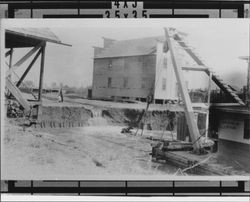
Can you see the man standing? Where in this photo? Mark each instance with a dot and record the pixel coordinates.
(60, 97)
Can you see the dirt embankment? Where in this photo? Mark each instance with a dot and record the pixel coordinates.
(80, 116)
(152, 120)
(66, 115)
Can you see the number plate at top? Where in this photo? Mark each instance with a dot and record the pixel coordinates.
(126, 9)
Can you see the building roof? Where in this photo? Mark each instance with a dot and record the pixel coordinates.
(27, 37)
(132, 47)
(245, 58)
(231, 108)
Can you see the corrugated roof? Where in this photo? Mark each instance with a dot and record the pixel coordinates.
(44, 34)
(132, 47)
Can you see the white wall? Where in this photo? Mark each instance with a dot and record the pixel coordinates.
(232, 128)
(164, 72)
(194, 79)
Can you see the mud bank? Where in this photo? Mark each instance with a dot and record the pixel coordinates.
(80, 116)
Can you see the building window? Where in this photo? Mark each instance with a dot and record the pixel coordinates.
(109, 82)
(110, 64)
(246, 129)
(164, 83)
(125, 82)
(144, 83)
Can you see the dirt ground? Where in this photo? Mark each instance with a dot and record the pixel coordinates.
(94, 150)
(51, 100)
(75, 153)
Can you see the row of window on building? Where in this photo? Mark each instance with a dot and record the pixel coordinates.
(146, 83)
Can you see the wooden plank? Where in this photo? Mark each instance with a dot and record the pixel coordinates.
(28, 68)
(34, 102)
(224, 104)
(10, 60)
(17, 94)
(192, 125)
(41, 73)
(22, 60)
(198, 68)
(8, 52)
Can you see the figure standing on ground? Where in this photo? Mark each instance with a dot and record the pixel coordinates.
(60, 97)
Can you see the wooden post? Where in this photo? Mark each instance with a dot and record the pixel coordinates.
(208, 104)
(189, 113)
(248, 83)
(28, 68)
(41, 73)
(10, 61)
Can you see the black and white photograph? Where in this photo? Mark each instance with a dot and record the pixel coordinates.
(125, 99)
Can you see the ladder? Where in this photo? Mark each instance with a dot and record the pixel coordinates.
(217, 80)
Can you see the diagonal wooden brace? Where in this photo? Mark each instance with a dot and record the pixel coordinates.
(17, 94)
(28, 68)
(22, 60)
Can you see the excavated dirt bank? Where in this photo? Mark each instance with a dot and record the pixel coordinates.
(79, 116)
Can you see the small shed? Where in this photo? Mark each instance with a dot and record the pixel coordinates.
(35, 39)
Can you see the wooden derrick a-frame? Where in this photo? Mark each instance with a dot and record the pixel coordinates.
(35, 39)
(171, 35)
(188, 108)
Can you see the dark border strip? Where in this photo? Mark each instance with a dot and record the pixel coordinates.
(238, 5)
(193, 4)
(64, 5)
(177, 16)
(240, 188)
(74, 16)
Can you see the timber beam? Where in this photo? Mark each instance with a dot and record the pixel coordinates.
(9, 52)
(41, 72)
(29, 67)
(22, 60)
(17, 94)
(189, 112)
(198, 68)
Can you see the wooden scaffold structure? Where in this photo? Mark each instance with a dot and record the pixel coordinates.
(35, 39)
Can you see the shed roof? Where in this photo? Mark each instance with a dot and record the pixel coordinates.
(245, 58)
(132, 47)
(234, 108)
(27, 37)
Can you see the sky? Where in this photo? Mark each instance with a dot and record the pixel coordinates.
(220, 42)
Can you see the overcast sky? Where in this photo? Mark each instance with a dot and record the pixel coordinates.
(219, 42)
